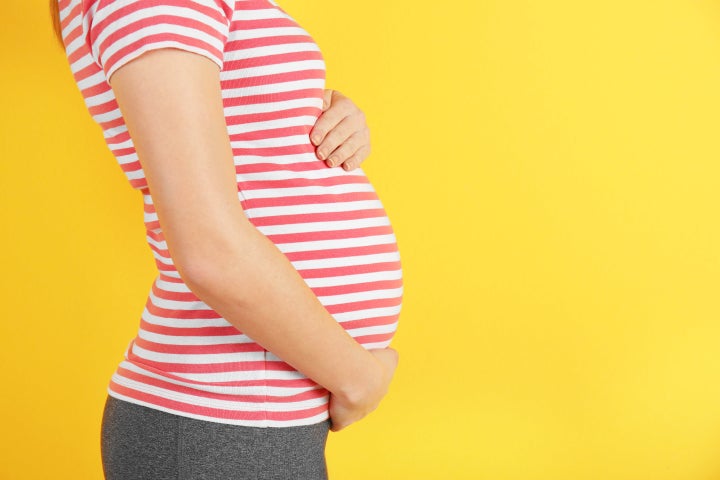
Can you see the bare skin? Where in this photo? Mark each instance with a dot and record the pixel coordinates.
(184, 149)
(340, 133)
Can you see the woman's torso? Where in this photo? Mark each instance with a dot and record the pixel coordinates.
(329, 222)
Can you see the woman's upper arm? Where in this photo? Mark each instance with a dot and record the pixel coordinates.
(171, 102)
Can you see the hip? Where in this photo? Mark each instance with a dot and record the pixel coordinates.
(139, 441)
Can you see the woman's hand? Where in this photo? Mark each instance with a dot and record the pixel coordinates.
(344, 413)
(340, 133)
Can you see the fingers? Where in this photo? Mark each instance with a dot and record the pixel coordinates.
(330, 117)
(351, 153)
(341, 134)
(356, 159)
(335, 108)
(350, 129)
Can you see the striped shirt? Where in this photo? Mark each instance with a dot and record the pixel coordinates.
(186, 359)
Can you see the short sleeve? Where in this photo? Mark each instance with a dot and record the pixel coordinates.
(118, 31)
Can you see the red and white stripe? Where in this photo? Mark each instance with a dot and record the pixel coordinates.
(186, 359)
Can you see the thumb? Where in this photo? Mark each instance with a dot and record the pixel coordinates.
(327, 99)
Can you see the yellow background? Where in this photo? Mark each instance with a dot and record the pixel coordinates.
(551, 171)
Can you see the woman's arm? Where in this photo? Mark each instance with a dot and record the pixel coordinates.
(172, 105)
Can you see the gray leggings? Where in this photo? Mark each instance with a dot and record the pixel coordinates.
(142, 443)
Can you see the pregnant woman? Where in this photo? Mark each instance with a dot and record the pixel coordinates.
(279, 282)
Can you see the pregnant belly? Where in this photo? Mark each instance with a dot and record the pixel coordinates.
(333, 228)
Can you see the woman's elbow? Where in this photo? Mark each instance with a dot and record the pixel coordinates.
(212, 264)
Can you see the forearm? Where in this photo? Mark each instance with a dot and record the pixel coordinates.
(253, 285)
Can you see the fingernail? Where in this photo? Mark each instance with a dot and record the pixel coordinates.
(316, 139)
(321, 154)
(333, 160)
